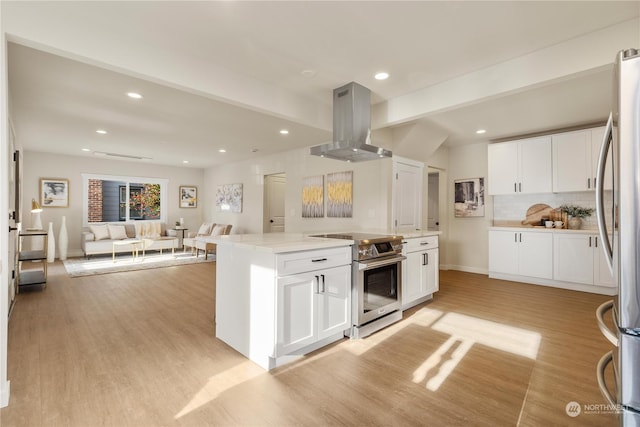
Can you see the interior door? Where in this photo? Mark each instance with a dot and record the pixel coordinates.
(407, 191)
(15, 199)
(433, 207)
(275, 186)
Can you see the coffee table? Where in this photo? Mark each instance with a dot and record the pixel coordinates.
(136, 245)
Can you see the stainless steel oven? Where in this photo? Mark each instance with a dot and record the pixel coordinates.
(376, 287)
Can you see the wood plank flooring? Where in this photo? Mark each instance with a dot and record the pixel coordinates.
(139, 349)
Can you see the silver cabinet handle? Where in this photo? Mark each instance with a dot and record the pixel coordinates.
(608, 333)
(602, 160)
(602, 384)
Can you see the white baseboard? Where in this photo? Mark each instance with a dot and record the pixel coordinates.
(602, 290)
(464, 268)
(4, 394)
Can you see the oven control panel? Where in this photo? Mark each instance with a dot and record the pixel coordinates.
(379, 249)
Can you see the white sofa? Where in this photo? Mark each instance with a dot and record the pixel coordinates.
(165, 239)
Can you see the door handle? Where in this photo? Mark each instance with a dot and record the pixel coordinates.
(12, 229)
(602, 160)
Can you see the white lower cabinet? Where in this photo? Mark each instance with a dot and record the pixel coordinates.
(311, 307)
(421, 270)
(578, 258)
(525, 253)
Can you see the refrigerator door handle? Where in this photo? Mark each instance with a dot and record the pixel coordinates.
(602, 384)
(602, 160)
(608, 333)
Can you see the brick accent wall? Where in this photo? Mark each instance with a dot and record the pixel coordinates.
(95, 200)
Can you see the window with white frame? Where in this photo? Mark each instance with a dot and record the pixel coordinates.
(108, 198)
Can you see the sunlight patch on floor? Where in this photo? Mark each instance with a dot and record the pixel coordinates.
(466, 331)
(219, 383)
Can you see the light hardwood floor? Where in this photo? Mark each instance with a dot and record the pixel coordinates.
(139, 349)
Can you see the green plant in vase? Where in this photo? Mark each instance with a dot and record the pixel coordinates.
(576, 213)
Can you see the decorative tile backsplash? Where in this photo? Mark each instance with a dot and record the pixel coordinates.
(514, 208)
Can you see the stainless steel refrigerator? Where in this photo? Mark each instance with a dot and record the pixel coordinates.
(619, 228)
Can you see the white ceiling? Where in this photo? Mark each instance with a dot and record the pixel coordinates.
(229, 74)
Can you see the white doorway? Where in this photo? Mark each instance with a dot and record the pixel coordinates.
(433, 206)
(274, 191)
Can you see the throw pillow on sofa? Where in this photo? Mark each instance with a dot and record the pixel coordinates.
(218, 230)
(204, 229)
(117, 232)
(100, 232)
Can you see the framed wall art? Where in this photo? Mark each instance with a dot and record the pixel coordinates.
(54, 193)
(313, 197)
(229, 198)
(340, 194)
(188, 196)
(469, 197)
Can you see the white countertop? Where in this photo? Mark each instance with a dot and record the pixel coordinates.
(544, 229)
(277, 242)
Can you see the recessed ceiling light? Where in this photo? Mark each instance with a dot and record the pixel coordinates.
(222, 150)
(308, 73)
(481, 131)
(86, 149)
(185, 161)
(284, 132)
(101, 131)
(134, 95)
(381, 76)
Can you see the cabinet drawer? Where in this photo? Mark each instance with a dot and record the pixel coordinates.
(300, 262)
(421, 243)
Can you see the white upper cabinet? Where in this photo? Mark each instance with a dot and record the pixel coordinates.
(520, 167)
(575, 159)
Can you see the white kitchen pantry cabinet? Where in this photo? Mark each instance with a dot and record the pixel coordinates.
(311, 307)
(523, 253)
(578, 258)
(421, 270)
(575, 160)
(520, 167)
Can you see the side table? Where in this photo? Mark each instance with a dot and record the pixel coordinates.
(180, 236)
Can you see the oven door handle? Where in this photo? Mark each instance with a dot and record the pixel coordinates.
(365, 265)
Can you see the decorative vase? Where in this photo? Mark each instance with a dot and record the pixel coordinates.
(63, 240)
(575, 223)
(51, 244)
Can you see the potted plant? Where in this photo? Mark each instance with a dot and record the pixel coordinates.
(576, 213)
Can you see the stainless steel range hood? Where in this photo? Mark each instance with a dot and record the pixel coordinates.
(351, 127)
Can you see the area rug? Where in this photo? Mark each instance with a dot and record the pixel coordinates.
(78, 267)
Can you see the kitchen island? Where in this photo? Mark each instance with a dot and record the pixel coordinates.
(281, 295)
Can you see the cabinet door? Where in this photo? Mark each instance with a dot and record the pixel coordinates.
(412, 280)
(503, 168)
(597, 135)
(601, 274)
(334, 301)
(431, 272)
(572, 161)
(535, 254)
(296, 312)
(535, 165)
(503, 252)
(573, 257)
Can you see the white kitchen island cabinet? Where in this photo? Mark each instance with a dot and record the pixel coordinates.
(421, 270)
(281, 295)
(520, 167)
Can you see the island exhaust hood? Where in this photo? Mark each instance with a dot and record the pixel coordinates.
(351, 127)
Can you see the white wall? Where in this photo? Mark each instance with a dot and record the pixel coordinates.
(371, 192)
(468, 238)
(46, 165)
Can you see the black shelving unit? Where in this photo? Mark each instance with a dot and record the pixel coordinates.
(34, 276)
